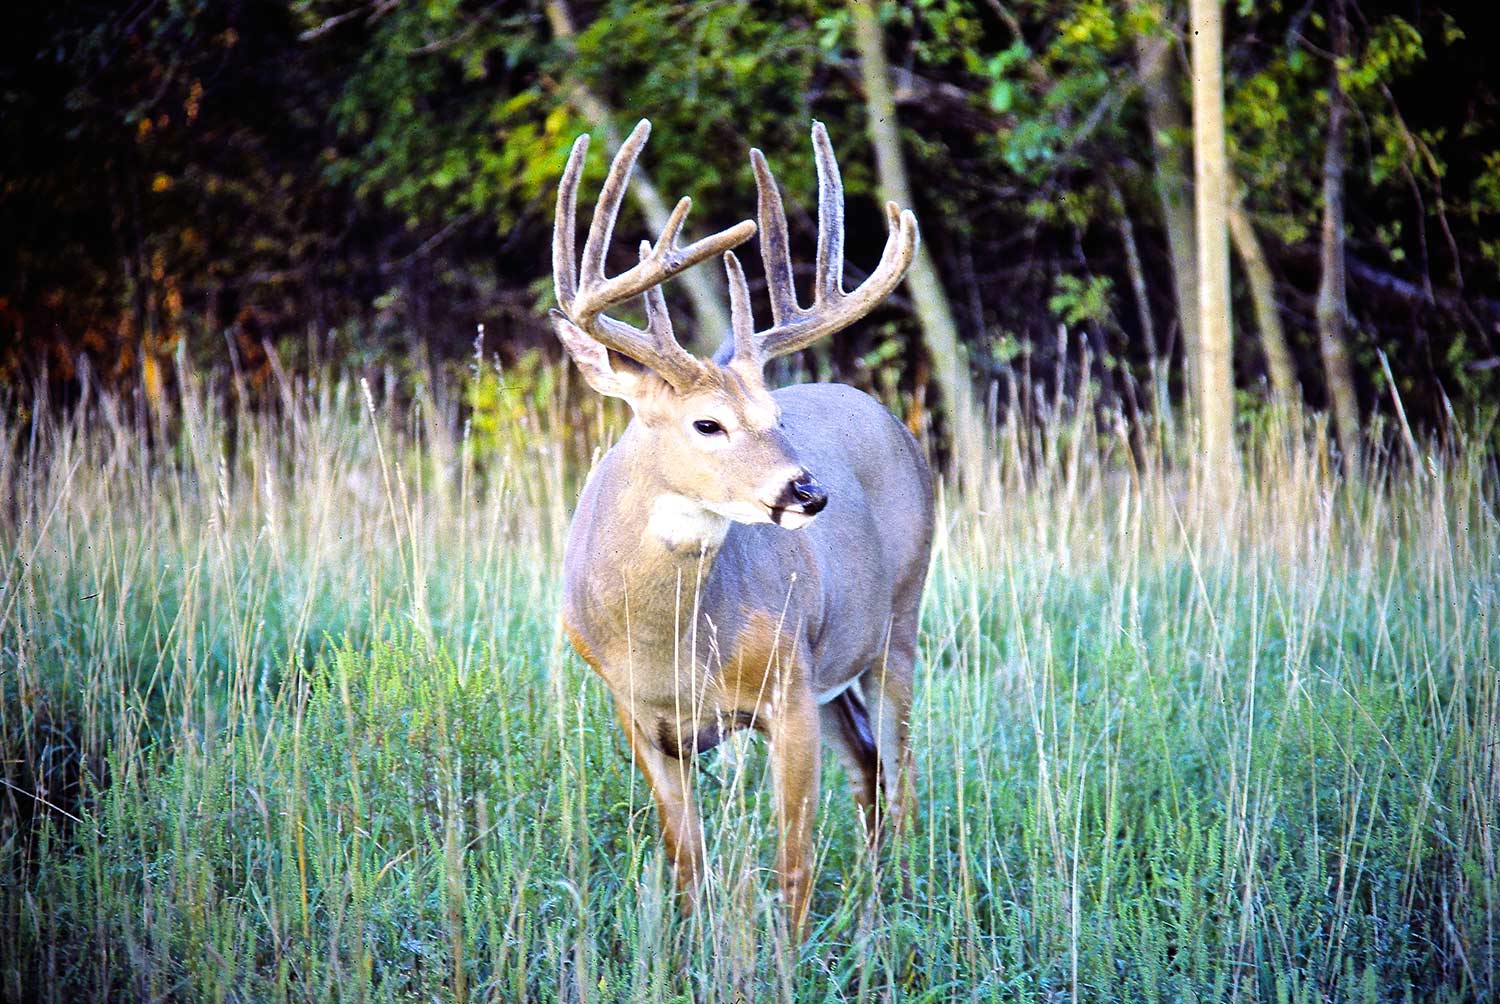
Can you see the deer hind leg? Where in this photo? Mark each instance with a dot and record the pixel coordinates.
(887, 688)
(671, 781)
(846, 725)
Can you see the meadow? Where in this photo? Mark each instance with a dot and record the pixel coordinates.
(287, 716)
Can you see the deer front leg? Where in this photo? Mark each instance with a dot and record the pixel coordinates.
(796, 748)
(671, 781)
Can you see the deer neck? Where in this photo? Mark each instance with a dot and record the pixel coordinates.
(666, 544)
(677, 531)
(684, 527)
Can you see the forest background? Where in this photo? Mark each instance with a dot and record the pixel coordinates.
(239, 186)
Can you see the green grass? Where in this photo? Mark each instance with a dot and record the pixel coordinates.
(293, 693)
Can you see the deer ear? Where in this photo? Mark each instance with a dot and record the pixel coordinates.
(593, 361)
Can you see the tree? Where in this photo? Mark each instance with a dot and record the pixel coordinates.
(1332, 308)
(951, 367)
(1136, 270)
(1167, 121)
(1211, 202)
(1285, 391)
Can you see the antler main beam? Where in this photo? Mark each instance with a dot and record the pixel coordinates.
(585, 295)
(793, 326)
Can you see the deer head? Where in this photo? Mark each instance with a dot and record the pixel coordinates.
(712, 424)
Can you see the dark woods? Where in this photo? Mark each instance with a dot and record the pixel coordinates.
(185, 182)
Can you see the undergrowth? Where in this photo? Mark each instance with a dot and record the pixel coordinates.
(287, 716)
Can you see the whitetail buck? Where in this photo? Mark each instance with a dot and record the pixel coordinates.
(697, 581)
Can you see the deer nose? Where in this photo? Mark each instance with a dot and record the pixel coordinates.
(809, 494)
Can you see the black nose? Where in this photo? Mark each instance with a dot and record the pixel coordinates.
(809, 494)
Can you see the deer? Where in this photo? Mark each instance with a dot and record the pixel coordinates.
(742, 557)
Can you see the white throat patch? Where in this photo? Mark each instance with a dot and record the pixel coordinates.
(678, 521)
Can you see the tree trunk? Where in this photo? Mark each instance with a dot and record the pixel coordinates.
(1137, 273)
(1211, 204)
(1285, 391)
(703, 291)
(1167, 120)
(950, 362)
(1332, 306)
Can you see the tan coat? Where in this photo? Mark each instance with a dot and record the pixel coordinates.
(743, 558)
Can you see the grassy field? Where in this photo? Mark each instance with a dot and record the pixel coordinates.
(287, 716)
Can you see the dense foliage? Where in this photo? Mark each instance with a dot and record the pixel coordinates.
(332, 177)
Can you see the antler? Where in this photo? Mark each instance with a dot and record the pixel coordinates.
(583, 297)
(794, 327)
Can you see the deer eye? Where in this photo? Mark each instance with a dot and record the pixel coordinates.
(708, 427)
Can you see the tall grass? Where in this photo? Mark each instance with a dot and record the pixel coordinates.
(287, 717)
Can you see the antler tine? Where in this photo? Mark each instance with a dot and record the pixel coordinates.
(584, 298)
(602, 226)
(658, 321)
(830, 263)
(564, 269)
(742, 322)
(775, 248)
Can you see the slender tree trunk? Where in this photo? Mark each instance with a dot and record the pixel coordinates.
(1285, 391)
(1137, 273)
(703, 291)
(1211, 190)
(950, 362)
(1332, 304)
(1167, 120)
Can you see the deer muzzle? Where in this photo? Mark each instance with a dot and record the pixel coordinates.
(801, 499)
